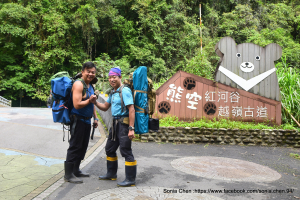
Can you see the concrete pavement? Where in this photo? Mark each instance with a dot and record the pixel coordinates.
(32, 151)
(194, 171)
(32, 155)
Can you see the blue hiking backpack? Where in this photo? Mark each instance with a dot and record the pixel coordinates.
(143, 98)
(61, 86)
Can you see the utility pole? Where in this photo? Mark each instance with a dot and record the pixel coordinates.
(21, 95)
(200, 27)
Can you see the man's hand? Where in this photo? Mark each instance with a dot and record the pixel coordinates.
(95, 124)
(93, 98)
(131, 134)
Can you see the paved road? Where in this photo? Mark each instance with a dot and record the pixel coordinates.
(32, 151)
(168, 171)
(32, 155)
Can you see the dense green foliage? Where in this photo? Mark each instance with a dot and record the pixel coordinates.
(40, 38)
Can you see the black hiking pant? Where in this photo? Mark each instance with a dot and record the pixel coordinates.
(121, 139)
(79, 141)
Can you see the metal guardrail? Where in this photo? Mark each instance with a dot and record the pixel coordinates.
(4, 102)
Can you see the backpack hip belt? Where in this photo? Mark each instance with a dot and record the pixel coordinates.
(81, 117)
(123, 120)
(74, 122)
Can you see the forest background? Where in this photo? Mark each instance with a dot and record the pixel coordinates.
(39, 38)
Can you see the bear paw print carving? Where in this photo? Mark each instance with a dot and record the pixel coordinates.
(164, 107)
(210, 108)
(189, 83)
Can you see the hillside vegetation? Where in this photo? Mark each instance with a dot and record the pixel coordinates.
(40, 38)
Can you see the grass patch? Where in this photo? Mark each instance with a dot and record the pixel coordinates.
(295, 155)
(137, 137)
(101, 120)
(222, 123)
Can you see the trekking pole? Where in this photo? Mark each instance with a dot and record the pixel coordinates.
(92, 136)
(94, 124)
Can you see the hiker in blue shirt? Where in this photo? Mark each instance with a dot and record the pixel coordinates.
(122, 131)
(80, 128)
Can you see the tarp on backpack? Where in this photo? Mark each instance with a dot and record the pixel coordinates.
(140, 82)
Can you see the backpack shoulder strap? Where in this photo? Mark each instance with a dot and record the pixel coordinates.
(111, 93)
(93, 88)
(85, 88)
(121, 97)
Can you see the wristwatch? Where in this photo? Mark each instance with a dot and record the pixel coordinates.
(131, 128)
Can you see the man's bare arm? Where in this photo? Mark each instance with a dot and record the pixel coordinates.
(77, 96)
(131, 120)
(95, 112)
(95, 115)
(131, 115)
(102, 106)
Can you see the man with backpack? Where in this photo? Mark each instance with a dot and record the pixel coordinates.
(49, 101)
(80, 127)
(122, 131)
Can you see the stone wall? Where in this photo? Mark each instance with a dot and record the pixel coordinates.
(265, 137)
(179, 135)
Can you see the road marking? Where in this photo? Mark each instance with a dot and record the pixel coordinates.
(29, 153)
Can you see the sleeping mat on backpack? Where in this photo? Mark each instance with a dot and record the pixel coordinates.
(140, 86)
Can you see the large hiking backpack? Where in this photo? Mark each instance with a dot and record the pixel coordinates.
(143, 97)
(61, 86)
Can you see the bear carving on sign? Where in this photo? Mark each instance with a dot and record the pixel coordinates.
(249, 67)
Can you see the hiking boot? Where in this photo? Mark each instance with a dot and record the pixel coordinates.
(77, 172)
(69, 176)
(112, 168)
(130, 172)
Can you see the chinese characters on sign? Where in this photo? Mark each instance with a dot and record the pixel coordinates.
(174, 94)
(196, 98)
(238, 111)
